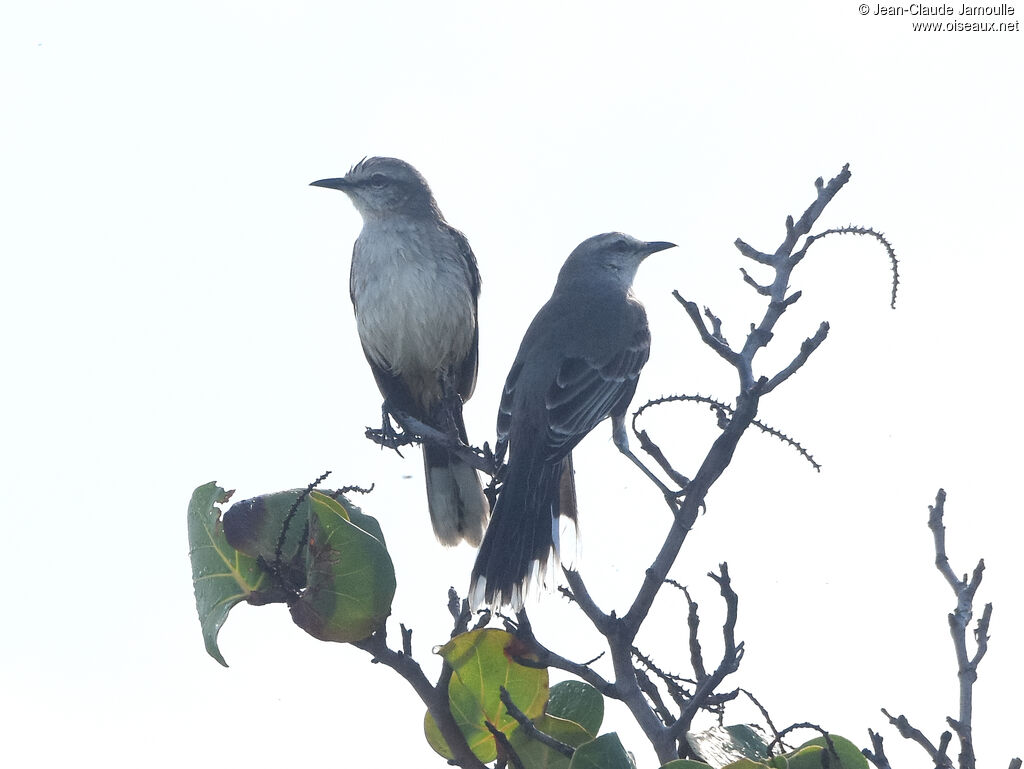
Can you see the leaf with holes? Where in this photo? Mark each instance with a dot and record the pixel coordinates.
(221, 575)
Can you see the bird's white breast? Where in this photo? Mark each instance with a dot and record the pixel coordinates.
(413, 303)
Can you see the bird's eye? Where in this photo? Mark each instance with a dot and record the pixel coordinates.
(378, 180)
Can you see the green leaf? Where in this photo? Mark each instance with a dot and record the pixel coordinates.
(537, 755)
(723, 745)
(745, 763)
(685, 763)
(221, 576)
(350, 577)
(577, 701)
(481, 662)
(849, 755)
(606, 752)
(806, 757)
(258, 526)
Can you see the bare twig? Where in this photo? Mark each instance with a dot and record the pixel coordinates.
(505, 751)
(434, 697)
(965, 589)
(877, 755)
(767, 718)
(715, 342)
(809, 346)
(731, 656)
(693, 624)
(909, 732)
(959, 619)
(460, 611)
(546, 658)
(648, 687)
(530, 729)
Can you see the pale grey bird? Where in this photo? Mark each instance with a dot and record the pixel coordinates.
(414, 285)
(577, 365)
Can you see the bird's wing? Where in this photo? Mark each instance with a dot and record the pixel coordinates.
(505, 408)
(468, 369)
(586, 391)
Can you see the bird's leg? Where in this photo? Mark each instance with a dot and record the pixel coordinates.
(621, 439)
(387, 436)
(446, 413)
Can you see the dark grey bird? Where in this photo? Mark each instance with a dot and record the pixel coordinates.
(577, 365)
(414, 285)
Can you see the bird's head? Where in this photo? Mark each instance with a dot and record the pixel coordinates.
(382, 186)
(612, 256)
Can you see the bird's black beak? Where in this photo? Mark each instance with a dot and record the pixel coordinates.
(333, 184)
(654, 246)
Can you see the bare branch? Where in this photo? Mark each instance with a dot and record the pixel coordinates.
(768, 719)
(878, 757)
(505, 750)
(547, 658)
(435, 698)
(806, 348)
(460, 611)
(648, 687)
(909, 732)
(752, 253)
(652, 448)
(762, 290)
(803, 227)
(530, 729)
(716, 343)
(731, 656)
(693, 623)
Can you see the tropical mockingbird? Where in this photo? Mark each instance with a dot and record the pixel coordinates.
(578, 364)
(414, 285)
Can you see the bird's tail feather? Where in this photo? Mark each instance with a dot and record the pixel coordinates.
(523, 534)
(455, 498)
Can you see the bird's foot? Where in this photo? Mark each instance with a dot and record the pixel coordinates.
(387, 436)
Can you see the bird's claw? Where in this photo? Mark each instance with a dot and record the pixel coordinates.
(387, 436)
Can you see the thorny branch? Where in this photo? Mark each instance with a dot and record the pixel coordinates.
(724, 411)
(420, 432)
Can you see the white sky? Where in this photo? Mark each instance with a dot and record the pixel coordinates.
(174, 310)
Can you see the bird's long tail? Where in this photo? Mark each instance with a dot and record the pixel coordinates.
(455, 498)
(523, 533)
